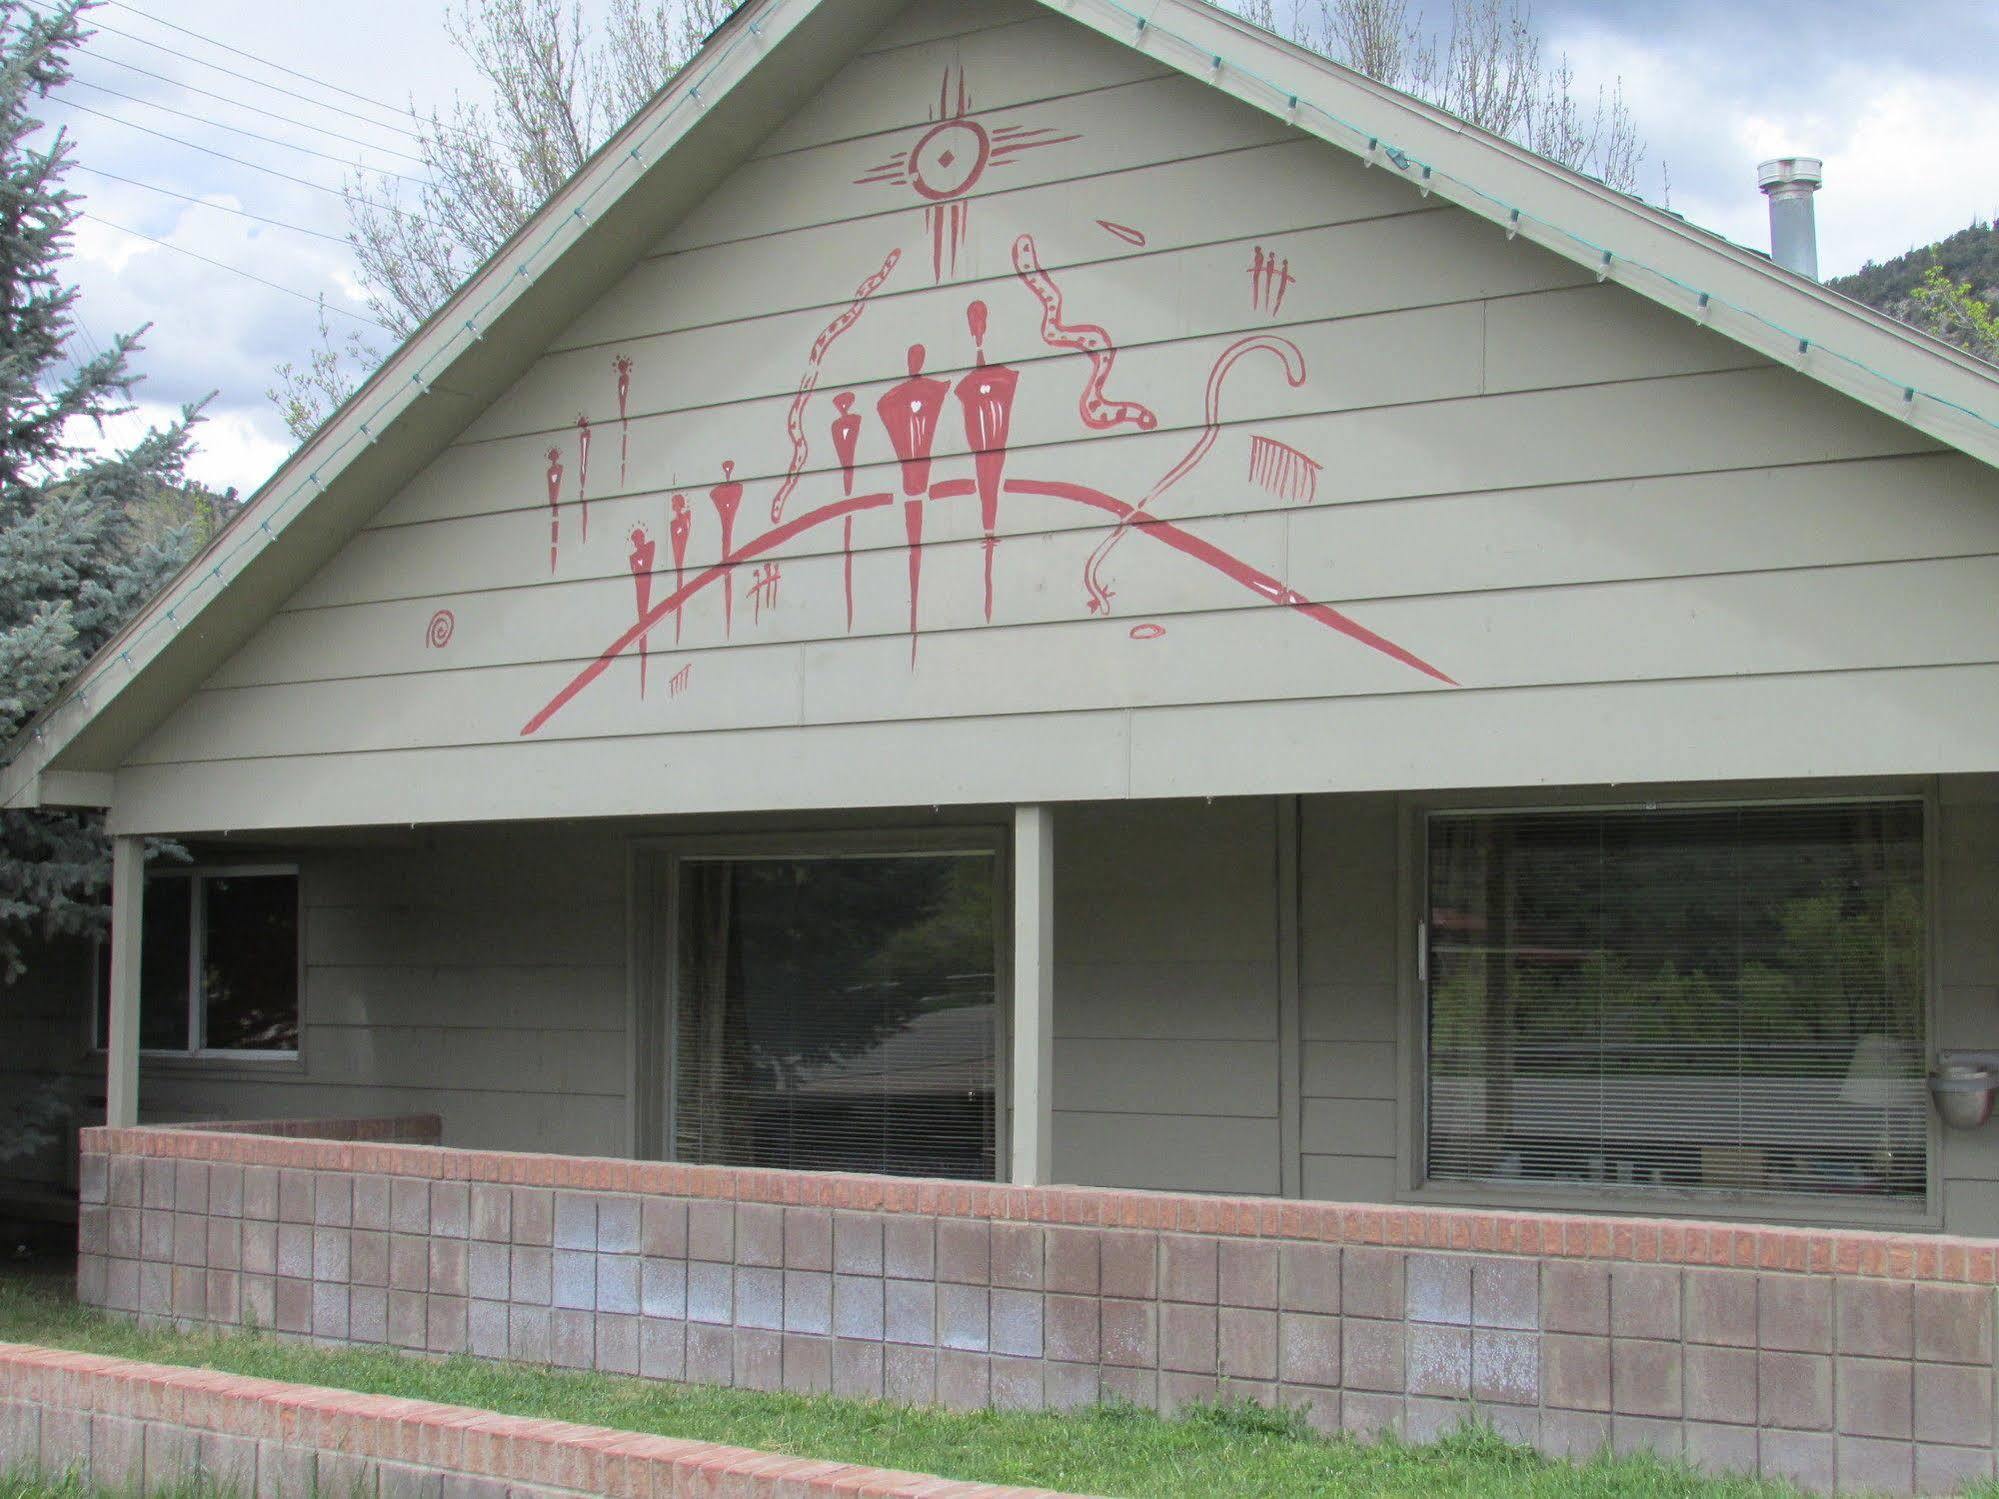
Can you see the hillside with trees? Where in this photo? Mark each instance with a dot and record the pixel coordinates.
(1969, 255)
(1950, 288)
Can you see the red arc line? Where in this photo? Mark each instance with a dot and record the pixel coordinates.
(1228, 565)
(1164, 531)
(777, 536)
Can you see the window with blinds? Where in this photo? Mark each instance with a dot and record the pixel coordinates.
(1704, 1000)
(837, 1014)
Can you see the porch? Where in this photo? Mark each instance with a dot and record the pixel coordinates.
(1360, 1107)
(1428, 1001)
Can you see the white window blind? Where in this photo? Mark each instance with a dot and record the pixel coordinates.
(837, 1014)
(1725, 1001)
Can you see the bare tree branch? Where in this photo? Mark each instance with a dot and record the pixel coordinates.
(1486, 65)
(551, 92)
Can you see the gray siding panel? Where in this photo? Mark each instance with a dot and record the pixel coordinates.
(1572, 503)
(1166, 934)
(1351, 1068)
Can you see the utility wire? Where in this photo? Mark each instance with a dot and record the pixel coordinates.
(240, 213)
(234, 270)
(42, 5)
(269, 140)
(254, 166)
(352, 140)
(253, 57)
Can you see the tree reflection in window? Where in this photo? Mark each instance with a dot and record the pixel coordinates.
(837, 1013)
(1720, 1000)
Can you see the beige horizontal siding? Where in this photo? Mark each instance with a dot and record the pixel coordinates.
(1351, 1065)
(1167, 934)
(1638, 550)
(1186, 201)
(1183, 1152)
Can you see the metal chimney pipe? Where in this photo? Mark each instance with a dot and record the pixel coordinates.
(1790, 182)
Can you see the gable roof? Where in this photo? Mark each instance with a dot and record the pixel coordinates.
(744, 82)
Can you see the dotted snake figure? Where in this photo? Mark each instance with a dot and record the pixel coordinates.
(794, 421)
(1098, 413)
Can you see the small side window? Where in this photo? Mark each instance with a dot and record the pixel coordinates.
(218, 970)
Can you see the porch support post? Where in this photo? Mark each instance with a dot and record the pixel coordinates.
(121, 1045)
(1033, 995)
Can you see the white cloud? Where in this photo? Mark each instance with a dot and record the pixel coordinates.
(1908, 160)
(1910, 156)
(232, 449)
(236, 448)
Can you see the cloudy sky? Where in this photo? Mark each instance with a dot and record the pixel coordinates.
(1896, 99)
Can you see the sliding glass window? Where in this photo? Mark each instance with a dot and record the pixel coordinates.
(1703, 1000)
(837, 1013)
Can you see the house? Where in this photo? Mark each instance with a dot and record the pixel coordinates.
(1052, 593)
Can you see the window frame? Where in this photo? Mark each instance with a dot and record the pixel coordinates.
(212, 1059)
(653, 962)
(1412, 1124)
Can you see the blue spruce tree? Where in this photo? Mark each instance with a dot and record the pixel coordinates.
(75, 559)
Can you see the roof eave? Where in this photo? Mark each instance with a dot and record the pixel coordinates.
(1887, 365)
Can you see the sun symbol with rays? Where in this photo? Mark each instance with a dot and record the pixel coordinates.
(950, 159)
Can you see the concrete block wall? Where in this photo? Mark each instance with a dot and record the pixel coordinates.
(144, 1428)
(1839, 1359)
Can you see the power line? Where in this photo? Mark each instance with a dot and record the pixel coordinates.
(253, 57)
(96, 349)
(240, 213)
(223, 265)
(269, 140)
(205, 150)
(231, 72)
(271, 114)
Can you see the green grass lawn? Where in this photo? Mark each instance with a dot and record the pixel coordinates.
(1212, 1451)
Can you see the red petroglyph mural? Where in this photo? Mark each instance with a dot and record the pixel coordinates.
(794, 422)
(554, 507)
(763, 589)
(1269, 281)
(1294, 371)
(1279, 469)
(678, 529)
(644, 551)
(987, 396)
(727, 498)
(846, 444)
(949, 160)
(910, 411)
(846, 437)
(622, 365)
(443, 625)
(1163, 532)
(1088, 339)
(942, 167)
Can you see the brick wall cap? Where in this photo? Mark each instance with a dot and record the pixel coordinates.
(385, 1146)
(241, 1405)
